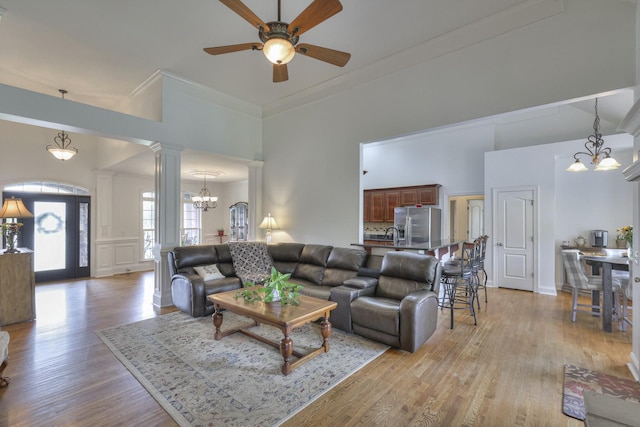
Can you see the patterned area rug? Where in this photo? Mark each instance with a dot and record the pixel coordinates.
(235, 381)
(576, 380)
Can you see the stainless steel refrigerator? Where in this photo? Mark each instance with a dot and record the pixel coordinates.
(417, 225)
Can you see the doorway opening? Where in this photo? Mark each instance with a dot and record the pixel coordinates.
(58, 234)
(466, 217)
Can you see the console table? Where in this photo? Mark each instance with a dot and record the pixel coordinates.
(17, 287)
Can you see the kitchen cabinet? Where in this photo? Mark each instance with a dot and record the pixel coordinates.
(378, 204)
(366, 214)
(391, 199)
(378, 207)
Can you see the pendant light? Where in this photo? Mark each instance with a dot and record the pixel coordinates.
(204, 200)
(600, 155)
(62, 150)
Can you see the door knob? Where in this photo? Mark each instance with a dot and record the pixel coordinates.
(636, 279)
(500, 244)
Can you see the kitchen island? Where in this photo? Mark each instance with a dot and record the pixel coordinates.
(426, 247)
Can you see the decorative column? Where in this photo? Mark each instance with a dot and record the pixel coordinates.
(255, 197)
(167, 217)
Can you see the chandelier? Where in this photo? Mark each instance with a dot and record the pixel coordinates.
(62, 150)
(600, 155)
(204, 200)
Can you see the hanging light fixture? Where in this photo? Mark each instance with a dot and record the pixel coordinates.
(204, 200)
(600, 155)
(62, 150)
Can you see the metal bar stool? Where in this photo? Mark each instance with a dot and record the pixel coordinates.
(459, 283)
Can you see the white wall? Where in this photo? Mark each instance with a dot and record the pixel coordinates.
(564, 204)
(311, 153)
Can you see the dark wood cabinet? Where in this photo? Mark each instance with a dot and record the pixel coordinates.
(378, 207)
(428, 195)
(378, 204)
(366, 214)
(391, 199)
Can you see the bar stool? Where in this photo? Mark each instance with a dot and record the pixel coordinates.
(459, 283)
(483, 251)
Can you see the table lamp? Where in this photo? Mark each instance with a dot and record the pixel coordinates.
(268, 223)
(13, 209)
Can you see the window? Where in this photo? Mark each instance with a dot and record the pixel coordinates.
(148, 224)
(191, 222)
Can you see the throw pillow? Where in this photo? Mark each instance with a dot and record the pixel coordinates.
(209, 272)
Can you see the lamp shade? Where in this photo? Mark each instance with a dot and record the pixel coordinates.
(577, 166)
(269, 223)
(14, 208)
(607, 164)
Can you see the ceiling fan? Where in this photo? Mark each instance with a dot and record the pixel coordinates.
(280, 39)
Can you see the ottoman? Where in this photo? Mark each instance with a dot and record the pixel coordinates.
(4, 356)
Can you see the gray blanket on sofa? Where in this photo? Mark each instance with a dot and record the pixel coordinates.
(251, 261)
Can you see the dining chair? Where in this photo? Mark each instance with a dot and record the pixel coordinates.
(622, 277)
(483, 251)
(579, 280)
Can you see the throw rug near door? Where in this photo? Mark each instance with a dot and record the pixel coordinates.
(235, 381)
(577, 380)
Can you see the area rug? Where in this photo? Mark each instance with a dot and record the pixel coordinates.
(235, 381)
(576, 380)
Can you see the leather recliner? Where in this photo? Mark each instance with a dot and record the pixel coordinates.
(401, 310)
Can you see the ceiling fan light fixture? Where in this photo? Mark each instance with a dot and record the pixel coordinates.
(279, 50)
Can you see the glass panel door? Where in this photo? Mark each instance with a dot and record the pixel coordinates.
(50, 237)
(58, 234)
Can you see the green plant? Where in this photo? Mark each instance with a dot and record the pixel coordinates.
(276, 286)
(626, 233)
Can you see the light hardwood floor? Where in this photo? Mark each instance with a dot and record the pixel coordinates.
(506, 371)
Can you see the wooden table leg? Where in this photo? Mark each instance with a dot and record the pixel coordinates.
(217, 321)
(286, 349)
(326, 332)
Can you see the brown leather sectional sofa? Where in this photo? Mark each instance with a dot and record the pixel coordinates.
(398, 292)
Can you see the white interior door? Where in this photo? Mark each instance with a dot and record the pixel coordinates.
(475, 208)
(514, 239)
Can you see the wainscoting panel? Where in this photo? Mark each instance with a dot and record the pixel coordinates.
(118, 256)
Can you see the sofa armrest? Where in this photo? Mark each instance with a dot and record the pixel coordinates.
(188, 293)
(361, 282)
(343, 295)
(418, 319)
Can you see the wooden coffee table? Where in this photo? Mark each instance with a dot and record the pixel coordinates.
(284, 317)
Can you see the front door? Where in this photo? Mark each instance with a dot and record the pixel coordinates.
(514, 239)
(58, 234)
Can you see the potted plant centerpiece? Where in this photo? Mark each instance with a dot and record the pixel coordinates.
(276, 288)
(625, 234)
(624, 237)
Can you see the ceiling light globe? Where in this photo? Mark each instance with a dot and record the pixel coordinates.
(279, 51)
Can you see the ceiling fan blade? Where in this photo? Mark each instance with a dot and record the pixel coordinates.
(280, 73)
(247, 14)
(315, 13)
(232, 48)
(331, 56)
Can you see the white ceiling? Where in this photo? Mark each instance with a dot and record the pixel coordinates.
(101, 51)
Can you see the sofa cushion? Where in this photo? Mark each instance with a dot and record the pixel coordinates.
(208, 272)
(343, 264)
(346, 258)
(312, 263)
(225, 262)
(187, 257)
(405, 272)
(321, 292)
(285, 256)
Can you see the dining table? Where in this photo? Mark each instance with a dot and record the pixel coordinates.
(608, 263)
